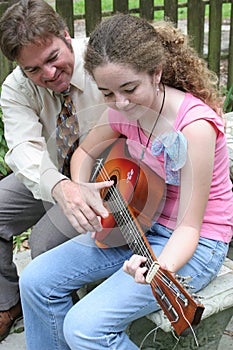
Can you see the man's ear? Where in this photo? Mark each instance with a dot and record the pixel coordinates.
(67, 35)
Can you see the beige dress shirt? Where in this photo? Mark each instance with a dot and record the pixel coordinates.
(30, 114)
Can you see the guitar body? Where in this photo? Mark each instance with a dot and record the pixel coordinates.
(141, 189)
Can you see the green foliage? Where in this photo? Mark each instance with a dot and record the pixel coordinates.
(107, 5)
(228, 102)
(18, 241)
(4, 169)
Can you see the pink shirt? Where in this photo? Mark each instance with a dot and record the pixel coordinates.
(218, 219)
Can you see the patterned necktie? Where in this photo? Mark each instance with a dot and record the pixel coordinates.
(66, 133)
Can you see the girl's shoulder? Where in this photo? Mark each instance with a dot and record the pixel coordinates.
(193, 109)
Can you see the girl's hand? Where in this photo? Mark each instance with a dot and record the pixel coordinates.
(134, 267)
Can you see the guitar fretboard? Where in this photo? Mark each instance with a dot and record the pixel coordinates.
(127, 224)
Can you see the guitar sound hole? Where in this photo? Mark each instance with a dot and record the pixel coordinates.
(111, 190)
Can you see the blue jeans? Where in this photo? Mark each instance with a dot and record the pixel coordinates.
(98, 321)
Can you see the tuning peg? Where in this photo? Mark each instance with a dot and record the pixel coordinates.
(182, 279)
(197, 297)
(187, 286)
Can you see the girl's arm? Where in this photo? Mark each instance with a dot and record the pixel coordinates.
(196, 177)
(83, 159)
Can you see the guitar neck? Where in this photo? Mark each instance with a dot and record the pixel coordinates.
(181, 309)
(129, 226)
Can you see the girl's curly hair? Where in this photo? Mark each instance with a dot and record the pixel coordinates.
(132, 41)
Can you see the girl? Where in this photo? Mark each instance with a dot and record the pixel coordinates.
(164, 100)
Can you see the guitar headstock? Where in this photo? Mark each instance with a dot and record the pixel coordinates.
(178, 305)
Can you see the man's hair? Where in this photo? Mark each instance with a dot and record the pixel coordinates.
(28, 21)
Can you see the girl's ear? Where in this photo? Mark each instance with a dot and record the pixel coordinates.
(156, 77)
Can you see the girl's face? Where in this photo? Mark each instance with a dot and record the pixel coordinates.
(126, 90)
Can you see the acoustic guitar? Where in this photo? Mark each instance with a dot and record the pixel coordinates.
(132, 203)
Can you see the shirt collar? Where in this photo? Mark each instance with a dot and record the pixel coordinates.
(78, 77)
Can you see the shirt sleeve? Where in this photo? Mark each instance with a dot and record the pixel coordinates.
(28, 156)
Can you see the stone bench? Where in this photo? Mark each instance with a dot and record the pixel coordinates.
(217, 298)
(218, 302)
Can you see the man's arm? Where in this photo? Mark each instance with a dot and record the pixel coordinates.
(29, 115)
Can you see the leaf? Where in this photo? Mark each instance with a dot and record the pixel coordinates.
(3, 171)
(228, 105)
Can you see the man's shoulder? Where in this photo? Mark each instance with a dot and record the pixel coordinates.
(79, 45)
(16, 76)
(81, 40)
(18, 87)
(17, 80)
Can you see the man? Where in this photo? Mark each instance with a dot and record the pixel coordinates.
(36, 193)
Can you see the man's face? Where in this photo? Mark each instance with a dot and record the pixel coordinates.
(48, 63)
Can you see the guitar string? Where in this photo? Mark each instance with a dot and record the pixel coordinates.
(154, 330)
(141, 250)
(182, 312)
(153, 284)
(190, 326)
(128, 219)
(159, 274)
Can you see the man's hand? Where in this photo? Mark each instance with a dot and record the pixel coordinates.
(82, 204)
